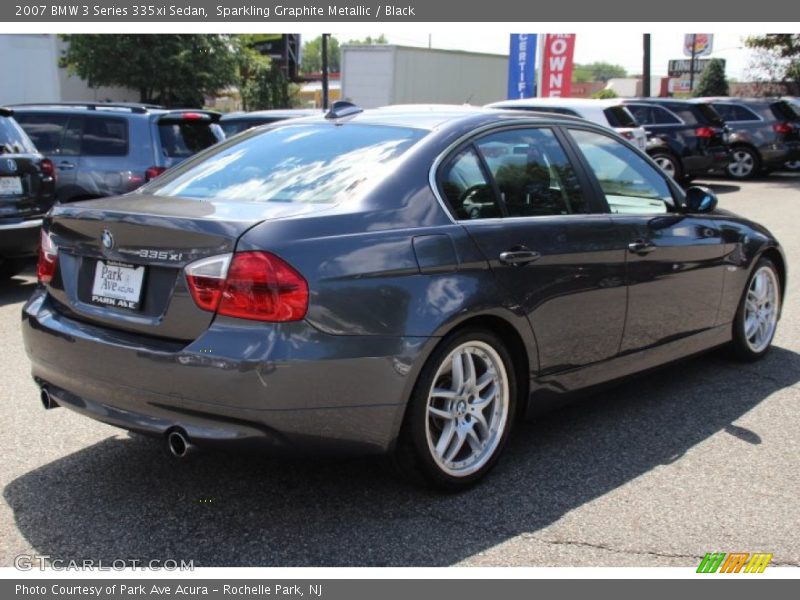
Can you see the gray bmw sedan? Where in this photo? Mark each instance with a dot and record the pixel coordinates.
(408, 281)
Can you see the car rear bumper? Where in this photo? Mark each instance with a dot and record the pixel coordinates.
(19, 239)
(280, 386)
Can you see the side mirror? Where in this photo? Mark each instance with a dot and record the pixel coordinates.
(700, 199)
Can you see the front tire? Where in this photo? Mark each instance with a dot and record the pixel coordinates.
(460, 412)
(757, 316)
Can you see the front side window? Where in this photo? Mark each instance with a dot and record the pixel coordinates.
(630, 184)
(317, 163)
(532, 173)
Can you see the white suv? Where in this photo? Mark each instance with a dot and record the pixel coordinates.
(611, 113)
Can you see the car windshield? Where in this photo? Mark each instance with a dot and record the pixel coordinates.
(12, 139)
(295, 163)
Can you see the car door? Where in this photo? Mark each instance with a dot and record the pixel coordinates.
(675, 267)
(526, 206)
(57, 136)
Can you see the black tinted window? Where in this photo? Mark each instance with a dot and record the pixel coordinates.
(708, 114)
(619, 116)
(46, 131)
(184, 138)
(301, 163)
(12, 138)
(532, 173)
(685, 112)
(662, 116)
(784, 111)
(465, 188)
(104, 136)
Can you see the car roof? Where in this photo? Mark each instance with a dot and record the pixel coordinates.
(434, 116)
(287, 113)
(739, 99)
(117, 109)
(566, 102)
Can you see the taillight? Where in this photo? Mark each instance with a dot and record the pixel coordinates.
(628, 135)
(48, 258)
(193, 116)
(47, 168)
(705, 132)
(249, 285)
(153, 172)
(783, 127)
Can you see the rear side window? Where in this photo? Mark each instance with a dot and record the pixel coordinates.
(183, 138)
(46, 131)
(466, 188)
(13, 139)
(735, 112)
(653, 115)
(315, 163)
(630, 184)
(104, 136)
(619, 116)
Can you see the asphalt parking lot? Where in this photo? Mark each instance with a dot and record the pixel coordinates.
(701, 456)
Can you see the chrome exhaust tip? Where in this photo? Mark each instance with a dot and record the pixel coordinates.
(179, 445)
(47, 400)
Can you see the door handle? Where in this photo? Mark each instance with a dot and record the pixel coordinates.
(65, 166)
(519, 256)
(641, 247)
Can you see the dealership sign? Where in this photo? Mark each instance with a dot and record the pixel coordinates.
(521, 66)
(557, 65)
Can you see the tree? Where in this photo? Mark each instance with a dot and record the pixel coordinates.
(597, 71)
(777, 58)
(171, 69)
(712, 81)
(605, 94)
(267, 87)
(311, 56)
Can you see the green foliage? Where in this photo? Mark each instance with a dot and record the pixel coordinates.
(605, 94)
(171, 69)
(777, 58)
(712, 81)
(311, 56)
(267, 87)
(597, 71)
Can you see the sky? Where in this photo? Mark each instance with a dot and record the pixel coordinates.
(622, 47)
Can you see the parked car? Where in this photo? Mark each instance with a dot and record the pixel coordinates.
(687, 139)
(611, 113)
(794, 101)
(105, 149)
(325, 285)
(236, 122)
(765, 134)
(27, 184)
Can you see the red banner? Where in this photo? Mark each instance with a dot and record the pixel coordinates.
(557, 64)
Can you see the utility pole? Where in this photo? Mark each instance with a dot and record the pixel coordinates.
(325, 37)
(646, 65)
(692, 62)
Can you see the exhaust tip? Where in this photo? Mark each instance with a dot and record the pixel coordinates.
(47, 400)
(179, 445)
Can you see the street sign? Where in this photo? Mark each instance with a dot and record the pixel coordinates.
(521, 66)
(682, 66)
(703, 43)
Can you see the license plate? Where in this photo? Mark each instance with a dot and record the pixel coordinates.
(118, 285)
(10, 186)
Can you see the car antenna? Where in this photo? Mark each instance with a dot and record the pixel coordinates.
(342, 109)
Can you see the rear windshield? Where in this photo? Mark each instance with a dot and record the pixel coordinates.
(295, 163)
(710, 114)
(12, 139)
(619, 116)
(784, 111)
(181, 139)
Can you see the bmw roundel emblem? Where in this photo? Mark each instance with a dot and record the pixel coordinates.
(11, 164)
(107, 239)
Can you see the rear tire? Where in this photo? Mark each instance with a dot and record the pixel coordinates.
(460, 412)
(745, 163)
(669, 163)
(757, 317)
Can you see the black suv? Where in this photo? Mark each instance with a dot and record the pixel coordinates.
(765, 134)
(27, 183)
(687, 139)
(104, 148)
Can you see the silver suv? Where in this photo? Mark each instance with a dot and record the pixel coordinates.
(107, 149)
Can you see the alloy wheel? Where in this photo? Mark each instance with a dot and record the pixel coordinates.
(761, 309)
